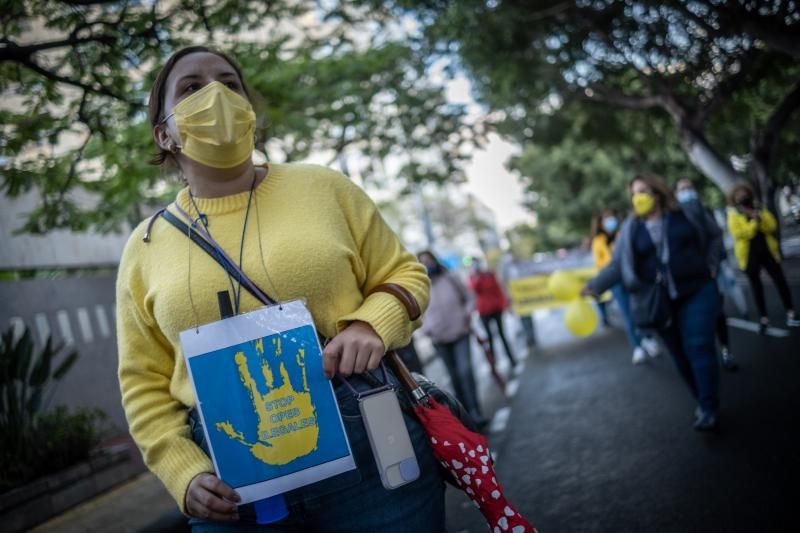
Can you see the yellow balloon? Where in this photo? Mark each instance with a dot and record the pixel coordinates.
(580, 317)
(563, 285)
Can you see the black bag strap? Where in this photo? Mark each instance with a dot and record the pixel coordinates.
(211, 251)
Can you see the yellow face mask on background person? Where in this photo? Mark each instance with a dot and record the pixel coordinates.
(216, 126)
(643, 203)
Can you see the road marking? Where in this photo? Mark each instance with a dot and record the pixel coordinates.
(512, 387)
(753, 326)
(499, 420)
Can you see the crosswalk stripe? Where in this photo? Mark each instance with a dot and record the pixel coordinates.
(499, 420)
(753, 326)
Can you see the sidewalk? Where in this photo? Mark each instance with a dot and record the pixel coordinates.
(139, 505)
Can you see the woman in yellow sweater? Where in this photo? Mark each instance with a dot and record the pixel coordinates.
(756, 248)
(312, 235)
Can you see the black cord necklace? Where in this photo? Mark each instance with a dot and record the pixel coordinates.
(237, 291)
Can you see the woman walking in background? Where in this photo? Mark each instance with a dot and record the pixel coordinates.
(604, 231)
(447, 323)
(662, 256)
(687, 195)
(490, 301)
(756, 248)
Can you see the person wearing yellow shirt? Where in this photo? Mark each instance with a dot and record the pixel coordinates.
(312, 235)
(605, 226)
(756, 248)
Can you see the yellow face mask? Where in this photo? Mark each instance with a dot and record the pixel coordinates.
(216, 126)
(643, 203)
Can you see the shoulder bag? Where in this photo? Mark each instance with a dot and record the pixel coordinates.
(650, 305)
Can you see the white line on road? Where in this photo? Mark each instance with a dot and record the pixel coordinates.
(512, 387)
(499, 420)
(753, 326)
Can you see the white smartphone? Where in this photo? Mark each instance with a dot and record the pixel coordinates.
(389, 439)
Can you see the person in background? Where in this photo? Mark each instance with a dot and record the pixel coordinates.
(756, 248)
(490, 301)
(447, 323)
(410, 357)
(604, 230)
(660, 240)
(510, 272)
(687, 196)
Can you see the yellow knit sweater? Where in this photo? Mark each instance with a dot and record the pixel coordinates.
(323, 240)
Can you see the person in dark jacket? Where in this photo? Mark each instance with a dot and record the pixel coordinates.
(661, 241)
(490, 301)
(686, 193)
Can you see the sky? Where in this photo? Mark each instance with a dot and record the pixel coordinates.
(487, 177)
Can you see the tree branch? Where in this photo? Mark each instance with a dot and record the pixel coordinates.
(101, 90)
(87, 2)
(14, 52)
(621, 99)
(555, 9)
(73, 167)
(777, 37)
(724, 90)
(768, 136)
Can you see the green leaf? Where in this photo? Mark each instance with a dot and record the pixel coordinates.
(65, 365)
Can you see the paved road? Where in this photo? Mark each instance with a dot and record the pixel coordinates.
(595, 444)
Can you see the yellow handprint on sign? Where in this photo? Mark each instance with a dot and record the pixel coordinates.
(287, 420)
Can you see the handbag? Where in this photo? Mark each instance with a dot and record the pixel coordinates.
(650, 305)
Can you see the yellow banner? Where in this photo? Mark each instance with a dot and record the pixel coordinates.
(531, 293)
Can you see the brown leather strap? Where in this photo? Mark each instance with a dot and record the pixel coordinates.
(401, 371)
(402, 294)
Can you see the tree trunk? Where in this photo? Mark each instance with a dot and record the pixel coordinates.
(764, 143)
(759, 172)
(707, 160)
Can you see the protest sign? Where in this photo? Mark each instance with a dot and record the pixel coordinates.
(269, 414)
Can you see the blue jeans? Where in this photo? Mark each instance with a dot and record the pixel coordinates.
(623, 301)
(357, 501)
(690, 340)
(458, 360)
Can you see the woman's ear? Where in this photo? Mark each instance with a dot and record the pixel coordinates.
(163, 139)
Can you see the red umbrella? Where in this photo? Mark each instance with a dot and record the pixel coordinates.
(464, 454)
(488, 351)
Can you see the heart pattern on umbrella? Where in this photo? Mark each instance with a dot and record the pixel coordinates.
(472, 473)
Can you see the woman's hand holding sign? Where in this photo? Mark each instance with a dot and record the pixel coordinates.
(210, 498)
(356, 349)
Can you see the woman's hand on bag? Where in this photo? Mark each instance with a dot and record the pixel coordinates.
(586, 291)
(209, 498)
(356, 349)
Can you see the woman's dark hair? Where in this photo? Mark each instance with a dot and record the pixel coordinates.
(597, 222)
(662, 193)
(738, 189)
(432, 256)
(155, 105)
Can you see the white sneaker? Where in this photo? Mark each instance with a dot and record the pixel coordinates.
(639, 355)
(651, 346)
